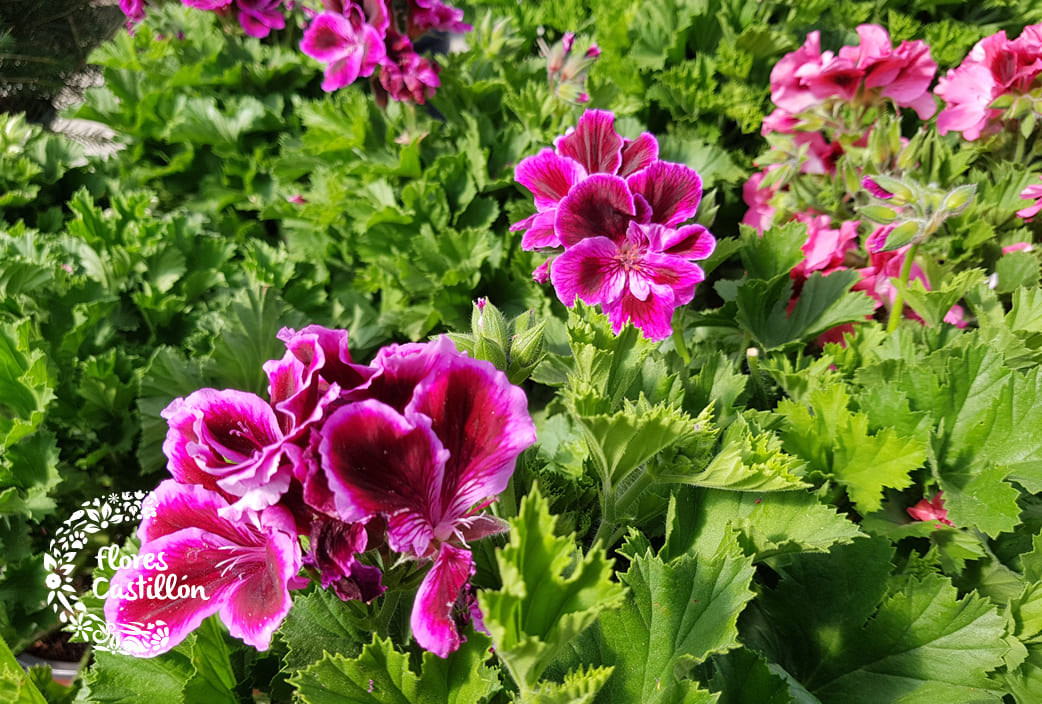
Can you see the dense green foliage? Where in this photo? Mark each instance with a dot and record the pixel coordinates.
(717, 518)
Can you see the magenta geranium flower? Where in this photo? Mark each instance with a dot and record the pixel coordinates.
(259, 17)
(592, 147)
(347, 43)
(435, 439)
(195, 563)
(640, 278)
(434, 15)
(404, 74)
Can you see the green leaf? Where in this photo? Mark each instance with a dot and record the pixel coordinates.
(319, 622)
(775, 252)
(1017, 270)
(550, 593)
(933, 305)
(743, 677)
(769, 524)
(836, 442)
(24, 384)
(924, 645)
(123, 678)
(382, 674)
(824, 303)
(15, 685)
(214, 680)
(622, 441)
(748, 462)
(579, 687)
(678, 614)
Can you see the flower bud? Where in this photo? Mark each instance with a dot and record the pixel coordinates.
(959, 199)
(487, 322)
(490, 352)
(878, 213)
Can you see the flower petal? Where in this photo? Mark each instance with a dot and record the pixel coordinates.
(588, 271)
(638, 153)
(672, 190)
(483, 423)
(432, 624)
(594, 142)
(601, 205)
(378, 462)
(548, 176)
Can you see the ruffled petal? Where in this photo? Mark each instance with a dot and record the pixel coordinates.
(599, 206)
(672, 190)
(594, 143)
(638, 153)
(432, 623)
(483, 423)
(588, 271)
(548, 176)
(193, 563)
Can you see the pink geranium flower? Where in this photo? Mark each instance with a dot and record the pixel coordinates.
(1032, 192)
(347, 43)
(931, 510)
(826, 247)
(456, 426)
(242, 570)
(808, 76)
(995, 66)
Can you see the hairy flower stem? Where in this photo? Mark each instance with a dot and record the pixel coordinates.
(681, 345)
(614, 504)
(899, 299)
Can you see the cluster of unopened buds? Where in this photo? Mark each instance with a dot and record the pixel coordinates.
(384, 469)
(911, 211)
(566, 70)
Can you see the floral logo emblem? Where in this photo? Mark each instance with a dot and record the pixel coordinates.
(92, 516)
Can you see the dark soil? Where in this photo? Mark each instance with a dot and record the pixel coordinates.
(56, 646)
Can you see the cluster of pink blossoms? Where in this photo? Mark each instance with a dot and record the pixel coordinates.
(809, 81)
(353, 39)
(996, 66)
(257, 17)
(400, 455)
(617, 212)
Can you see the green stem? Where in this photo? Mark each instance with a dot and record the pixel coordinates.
(680, 343)
(899, 299)
(608, 531)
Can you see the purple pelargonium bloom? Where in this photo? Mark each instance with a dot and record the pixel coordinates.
(351, 46)
(404, 74)
(641, 279)
(195, 563)
(230, 441)
(259, 17)
(436, 441)
(333, 551)
(592, 147)
(425, 15)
